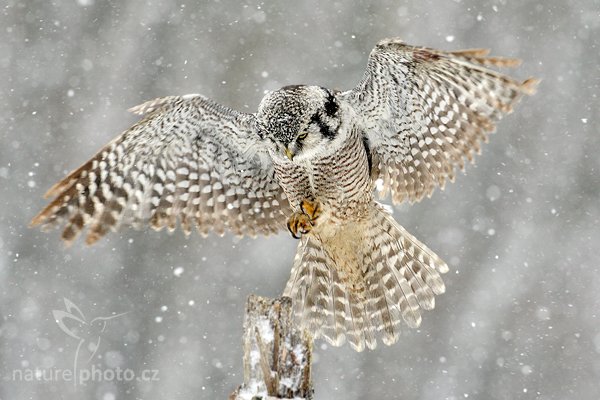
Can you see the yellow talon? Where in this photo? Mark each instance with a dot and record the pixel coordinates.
(310, 208)
(301, 222)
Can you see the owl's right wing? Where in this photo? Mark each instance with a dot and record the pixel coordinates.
(189, 160)
(425, 111)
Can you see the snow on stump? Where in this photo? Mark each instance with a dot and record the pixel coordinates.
(277, 356)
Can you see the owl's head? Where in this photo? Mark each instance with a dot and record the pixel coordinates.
(299, 120)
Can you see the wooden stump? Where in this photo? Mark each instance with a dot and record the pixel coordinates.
(277, 356)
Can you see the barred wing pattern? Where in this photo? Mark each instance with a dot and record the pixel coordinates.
(426, 111)
(189, 160)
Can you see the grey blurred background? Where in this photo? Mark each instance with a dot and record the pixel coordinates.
(520, 231)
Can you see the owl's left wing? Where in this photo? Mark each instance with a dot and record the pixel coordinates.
(426, 111)
(189, 160)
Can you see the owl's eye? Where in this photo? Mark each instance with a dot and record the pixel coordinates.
(302, 135)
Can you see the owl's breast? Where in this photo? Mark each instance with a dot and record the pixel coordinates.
(338, 179)
(341, 180)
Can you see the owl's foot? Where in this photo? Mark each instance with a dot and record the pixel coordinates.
(311, 208)
(301, 222)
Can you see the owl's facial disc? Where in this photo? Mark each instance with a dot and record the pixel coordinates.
(296, 146)
(300, 120)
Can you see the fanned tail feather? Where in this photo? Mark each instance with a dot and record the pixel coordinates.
(389, 277)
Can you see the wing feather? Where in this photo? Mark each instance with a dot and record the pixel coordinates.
(427, 111)
(189, 160)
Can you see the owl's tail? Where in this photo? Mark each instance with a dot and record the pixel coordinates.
(360, 281)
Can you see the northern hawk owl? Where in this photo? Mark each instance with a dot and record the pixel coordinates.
(310, 160)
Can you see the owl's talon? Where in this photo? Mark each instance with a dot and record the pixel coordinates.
(311, 208)
(301, 222)
(292, 232)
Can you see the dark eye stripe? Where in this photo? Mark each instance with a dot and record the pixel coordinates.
(325, 131)
(331, 106)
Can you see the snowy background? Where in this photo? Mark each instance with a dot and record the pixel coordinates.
(520, 231)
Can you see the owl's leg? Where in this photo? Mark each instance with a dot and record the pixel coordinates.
(301, 222)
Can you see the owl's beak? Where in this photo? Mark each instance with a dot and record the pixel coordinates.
(289, 153)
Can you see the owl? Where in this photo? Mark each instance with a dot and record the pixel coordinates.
(310, 160)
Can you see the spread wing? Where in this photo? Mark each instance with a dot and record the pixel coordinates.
(426, 111)
(189, 160)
